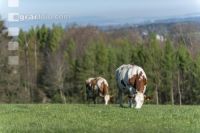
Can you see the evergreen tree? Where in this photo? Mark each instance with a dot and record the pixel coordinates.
(168, 69)
(153, 66)
(184, 62)
(101, 55)
(55, 37)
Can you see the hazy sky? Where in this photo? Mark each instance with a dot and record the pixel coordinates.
(78, 10)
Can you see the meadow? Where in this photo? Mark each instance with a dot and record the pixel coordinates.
(84, 118)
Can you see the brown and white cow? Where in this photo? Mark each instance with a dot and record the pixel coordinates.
(131, 79)
(97, 87)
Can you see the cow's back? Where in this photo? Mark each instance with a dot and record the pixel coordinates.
(88, 81)
(126, 72)
(101, 80)
(137, 70)
(121, 75)
(102, 84)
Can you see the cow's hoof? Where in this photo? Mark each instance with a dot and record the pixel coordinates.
(131, 106)
(137, 107)
(121, 106)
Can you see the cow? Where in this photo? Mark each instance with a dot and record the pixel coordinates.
(131, 79)
(97, 87)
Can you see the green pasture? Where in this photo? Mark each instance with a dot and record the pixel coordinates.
(84, 118)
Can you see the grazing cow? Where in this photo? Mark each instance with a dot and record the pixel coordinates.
(131, 79)
(97, 87)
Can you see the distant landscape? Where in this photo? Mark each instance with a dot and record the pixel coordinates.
(106, 22)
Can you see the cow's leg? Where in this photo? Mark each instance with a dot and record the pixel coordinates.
(130, 102)
(88, 100)
(120, 96)
(94, 100)
(89, 96)
(131, 95)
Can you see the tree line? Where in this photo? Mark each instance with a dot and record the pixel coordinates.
(55, 62)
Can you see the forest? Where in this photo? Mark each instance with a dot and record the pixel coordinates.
(55, 62)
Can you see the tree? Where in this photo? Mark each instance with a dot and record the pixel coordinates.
(101, 57)
(168, 69)
(55, 67)
(153, 66)
(55, 37)
(112, 66)
(9, 74)
(70, 77)
(184, 62)
(123, 51)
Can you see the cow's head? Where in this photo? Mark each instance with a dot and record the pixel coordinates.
(107, 99)
(104, 92)
(139, 82)
(139, 100)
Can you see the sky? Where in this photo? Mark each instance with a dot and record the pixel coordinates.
(102, 11)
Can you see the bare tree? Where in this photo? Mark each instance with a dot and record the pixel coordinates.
(179, 89)
(56, 72)
(156, 94)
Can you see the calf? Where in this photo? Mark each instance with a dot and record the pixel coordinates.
(97, 87)
(131, 79)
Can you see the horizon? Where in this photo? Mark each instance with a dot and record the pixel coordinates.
(100, 13)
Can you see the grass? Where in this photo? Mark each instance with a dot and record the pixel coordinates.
(77, 118)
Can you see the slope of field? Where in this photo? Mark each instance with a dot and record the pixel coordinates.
(73, 118)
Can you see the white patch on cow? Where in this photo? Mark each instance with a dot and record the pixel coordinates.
(144, 89)
(136, 70)
(141, 77)
(132, 71)
(100, 81)
(95, 87)
(89, 80)
(106, 98)
(139, 99)
(90, 84)
(122, 74)
(131, 91)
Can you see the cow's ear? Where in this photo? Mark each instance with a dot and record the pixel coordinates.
(112, 99)
(148, 98)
